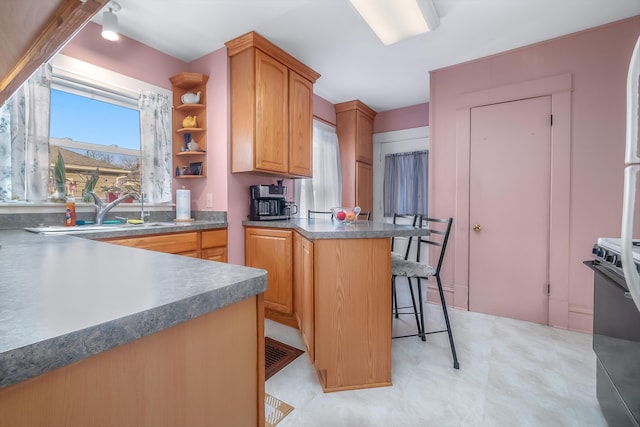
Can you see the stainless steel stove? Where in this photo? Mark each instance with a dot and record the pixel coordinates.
(616, 335)
(607, 251)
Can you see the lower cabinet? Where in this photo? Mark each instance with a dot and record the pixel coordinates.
(303, 290)
(272, 250)
(175, 377)
(207, 244)
(339, 302)
(214, 245)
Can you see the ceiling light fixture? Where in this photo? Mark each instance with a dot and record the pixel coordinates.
(396, 20)
(110, 21)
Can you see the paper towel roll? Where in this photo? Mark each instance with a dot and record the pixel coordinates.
(183, 204)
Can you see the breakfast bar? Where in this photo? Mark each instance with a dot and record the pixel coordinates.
(339, 292)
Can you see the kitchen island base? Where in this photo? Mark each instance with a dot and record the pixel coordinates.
(205, 371)
(352, 305)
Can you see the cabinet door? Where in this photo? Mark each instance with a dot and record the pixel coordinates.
(308, 318)
(272, 250)
(300, 125)
(215, 254)
(297, 279)
(364, 186)
(364, 138)
(272, 115)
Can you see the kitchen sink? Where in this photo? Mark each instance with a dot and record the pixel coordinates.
(92, 228)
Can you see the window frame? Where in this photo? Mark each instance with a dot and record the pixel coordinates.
(105, 85)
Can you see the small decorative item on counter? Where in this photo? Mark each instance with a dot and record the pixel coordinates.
(70, 214)
(190, 98)
(190, 122)
(346, 215)
(193, 145)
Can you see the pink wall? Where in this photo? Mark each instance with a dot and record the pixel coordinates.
(324, 110)
(402, 118)
(595, 62)
(125, 56)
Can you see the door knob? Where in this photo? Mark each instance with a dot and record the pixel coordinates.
(477, 227)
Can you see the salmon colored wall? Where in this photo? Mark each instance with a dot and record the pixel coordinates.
(125, 56)
(595, 62)
(402, 118)
(324, 110)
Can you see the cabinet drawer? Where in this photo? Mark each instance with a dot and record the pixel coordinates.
(215, 254)
(170, 243)
(214, 238)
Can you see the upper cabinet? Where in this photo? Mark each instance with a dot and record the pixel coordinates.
(189, 125)
(271, 109)
(354, 126)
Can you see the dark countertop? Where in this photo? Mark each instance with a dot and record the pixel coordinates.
(314, 229)
(64, 298)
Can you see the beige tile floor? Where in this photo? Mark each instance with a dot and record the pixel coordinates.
(512, 373)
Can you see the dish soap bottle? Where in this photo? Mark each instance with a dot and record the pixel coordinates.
(70, 214)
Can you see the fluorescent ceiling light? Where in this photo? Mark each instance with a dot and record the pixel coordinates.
(396, 20)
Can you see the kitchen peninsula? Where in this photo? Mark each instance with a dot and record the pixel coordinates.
(93, 333)
(332, 282)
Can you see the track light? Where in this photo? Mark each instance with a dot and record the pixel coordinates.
(110, 21)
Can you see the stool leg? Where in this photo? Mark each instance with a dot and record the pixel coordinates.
(394, 295)
(421, 330)
(415, 309)
(456, 365)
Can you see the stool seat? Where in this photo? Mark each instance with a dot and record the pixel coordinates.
(407, 268)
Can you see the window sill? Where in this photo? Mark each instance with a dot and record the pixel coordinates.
(42, 207)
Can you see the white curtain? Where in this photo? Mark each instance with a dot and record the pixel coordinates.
(324, 190)
(24, 140)
(155, 142)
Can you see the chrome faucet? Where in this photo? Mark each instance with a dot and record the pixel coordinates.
(103, 208)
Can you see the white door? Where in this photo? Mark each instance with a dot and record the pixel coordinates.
(509, 209)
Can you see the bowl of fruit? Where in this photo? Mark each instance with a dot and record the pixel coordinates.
(346, 215)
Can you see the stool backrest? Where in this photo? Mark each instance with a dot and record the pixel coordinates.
(401, 219)
(439, 229)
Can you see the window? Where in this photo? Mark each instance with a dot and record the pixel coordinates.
(324, 190)
(90, 144)
(405, 183)
(126, 138)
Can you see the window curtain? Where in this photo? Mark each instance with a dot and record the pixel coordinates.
(155, 143)
(324, 190)
(405, 183)
(24, 140)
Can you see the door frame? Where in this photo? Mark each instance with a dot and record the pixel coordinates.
(559, 87)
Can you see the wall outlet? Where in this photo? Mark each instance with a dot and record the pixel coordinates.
(209, 200)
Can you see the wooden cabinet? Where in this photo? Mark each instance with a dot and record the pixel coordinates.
(303, 290)
(214, 245)
(185, 161)
(354, 126)
(341, 303)
(271, 109)
(175, 377)
(352, 325)
(174, 243)
(272, 250)
(206, 244)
